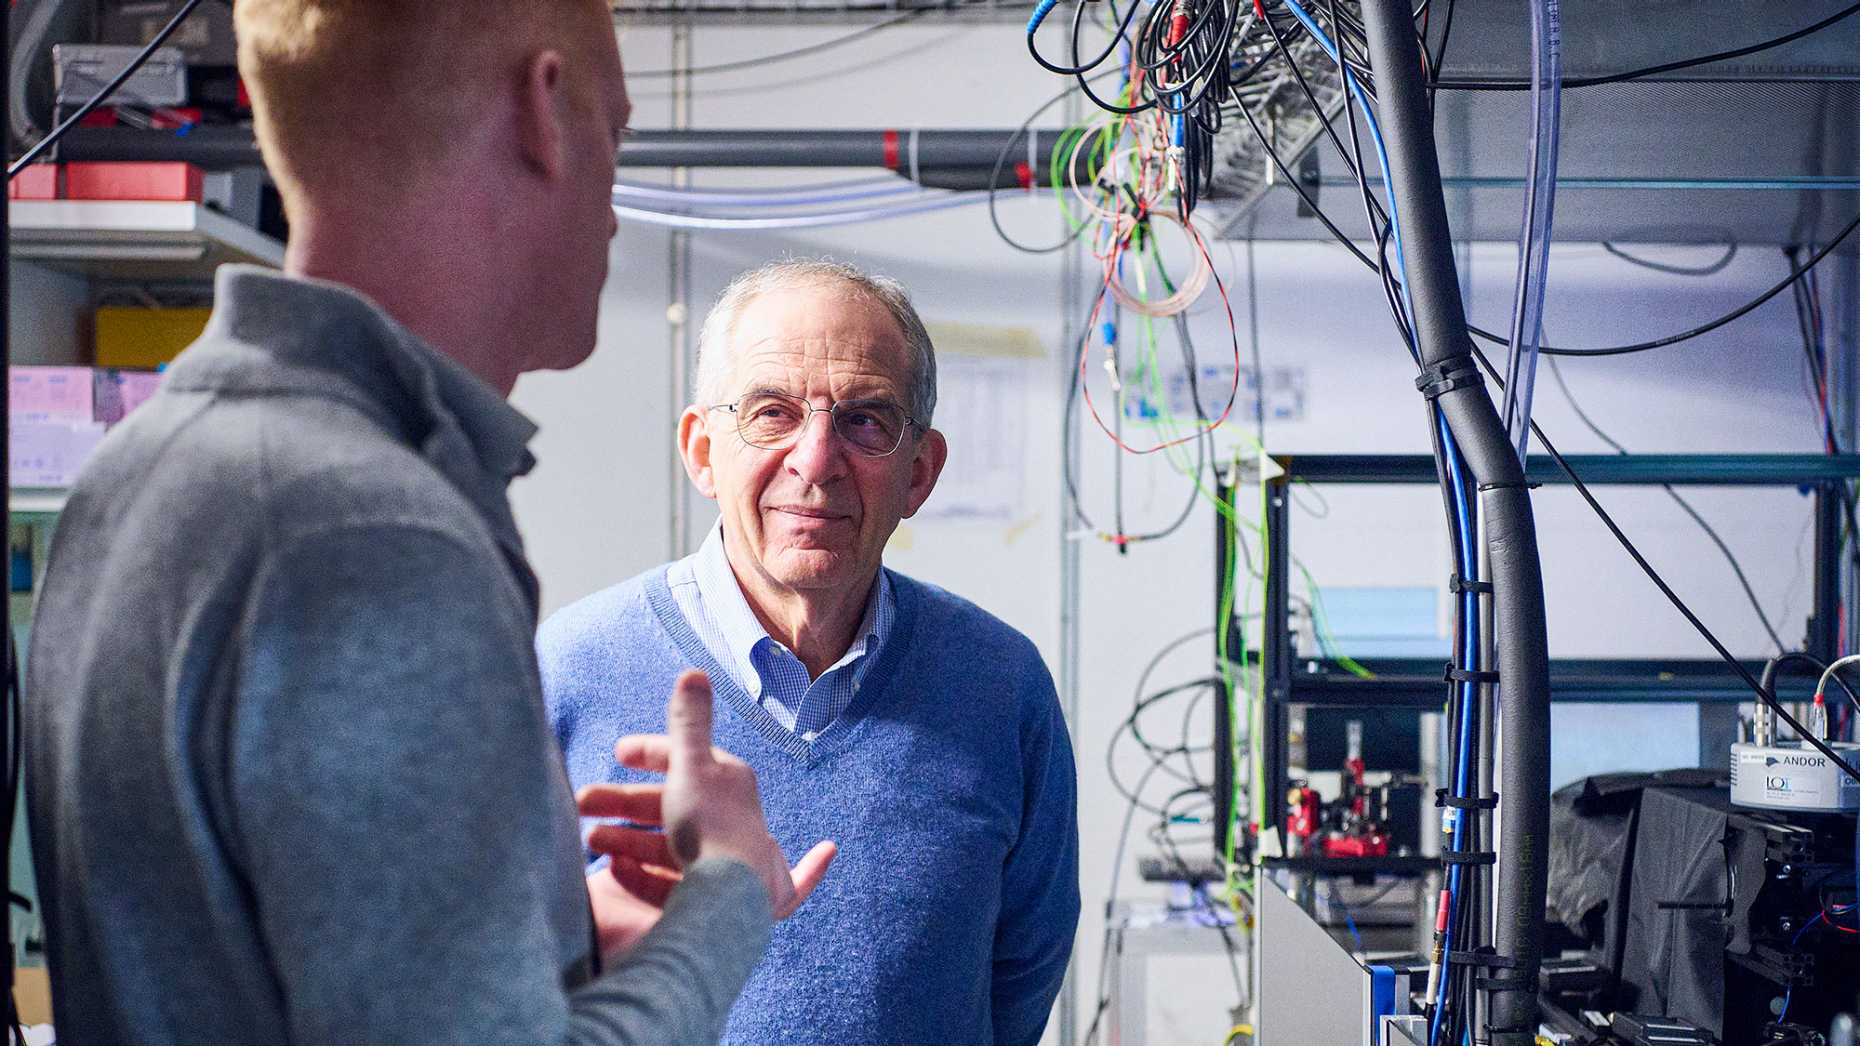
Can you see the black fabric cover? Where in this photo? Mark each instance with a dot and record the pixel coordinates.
(1673, 959)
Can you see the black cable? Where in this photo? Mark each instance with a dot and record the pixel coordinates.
(1436, 59)
(1808, 318)
(1084, 85)
(1713, 269)
(1736, 567)
(1763, 693)
(1371, 206)
(109, 89)
(1203, 440)
(994, 178)
(1655, 70)
(1104, 953)
(1077, 69)
(799, 52)
(1674, 339)
(1607, 520)
(1820, 666)
(1619, 350)
(1158, 756)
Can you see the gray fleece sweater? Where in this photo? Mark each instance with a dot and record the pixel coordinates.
(289, 773)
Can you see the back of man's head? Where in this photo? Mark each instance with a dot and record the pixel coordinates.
(370, 94)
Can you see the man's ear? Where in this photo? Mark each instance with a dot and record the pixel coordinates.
(694, 449)
(541, 111)
(926, 466)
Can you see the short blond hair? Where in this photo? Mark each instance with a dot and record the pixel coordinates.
(346, 89)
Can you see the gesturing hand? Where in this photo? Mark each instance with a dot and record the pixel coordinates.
(708, 805)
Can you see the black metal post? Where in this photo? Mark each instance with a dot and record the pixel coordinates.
(1824, 625)
(1275, 656)
(1223, 695)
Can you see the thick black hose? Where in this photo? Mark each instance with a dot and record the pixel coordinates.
(1520, 641)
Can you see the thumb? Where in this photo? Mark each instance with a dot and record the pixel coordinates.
(688, 721)
(809, 870)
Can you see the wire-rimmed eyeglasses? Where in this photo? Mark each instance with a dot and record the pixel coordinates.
(775, 421)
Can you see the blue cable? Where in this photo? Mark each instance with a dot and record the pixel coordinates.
(1349, 921)
(1044, 8)
(1375, 133)
(1466, 553)
(1797, 939)
(1469, 647)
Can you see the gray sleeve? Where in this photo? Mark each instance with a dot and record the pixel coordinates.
(400, 815)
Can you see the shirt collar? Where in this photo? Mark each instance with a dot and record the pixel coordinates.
(742, 631)
(271, 332)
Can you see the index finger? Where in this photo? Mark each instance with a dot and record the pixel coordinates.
(653, 753)
(649, 752)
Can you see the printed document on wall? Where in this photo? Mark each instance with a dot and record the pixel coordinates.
(984, 394)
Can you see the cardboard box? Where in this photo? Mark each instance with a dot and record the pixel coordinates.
(174, 182)
(41, 181)
(145, 338)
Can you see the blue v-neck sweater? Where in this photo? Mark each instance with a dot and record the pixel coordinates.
(948, 783)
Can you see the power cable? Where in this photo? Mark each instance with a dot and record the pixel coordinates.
(1621, 537)
(1763, 693)
(994, 178)
(1706, 328)
(103, 95)
(1620, 350)
(785, 56)
(1665, 67)
(1736, 567)
(1713, 269)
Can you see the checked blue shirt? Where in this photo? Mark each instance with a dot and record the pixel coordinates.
(711, 601)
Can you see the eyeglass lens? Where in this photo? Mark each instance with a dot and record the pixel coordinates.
(770, 420)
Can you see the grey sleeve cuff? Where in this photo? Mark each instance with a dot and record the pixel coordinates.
(678, 984)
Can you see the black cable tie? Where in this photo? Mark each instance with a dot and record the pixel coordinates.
(1484, 958)
(1526, 485)
(1452, 802)
(1441, 378)
(1464, 675)
(1469, 857)
(1459, 586)
(1517, 982)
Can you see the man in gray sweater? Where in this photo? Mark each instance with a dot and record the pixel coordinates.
(289, 771)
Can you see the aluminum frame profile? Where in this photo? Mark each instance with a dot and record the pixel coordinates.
(1243, 170)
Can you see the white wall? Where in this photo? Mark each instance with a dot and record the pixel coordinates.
(598, 509)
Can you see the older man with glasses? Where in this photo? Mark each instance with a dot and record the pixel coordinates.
(918, 731)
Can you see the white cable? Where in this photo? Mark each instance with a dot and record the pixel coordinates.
(677, 198)
(796, 221)
(840, 192)
(1827, 676)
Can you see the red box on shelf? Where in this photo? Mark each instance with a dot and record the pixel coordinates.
(37, 182)
(178, 182)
